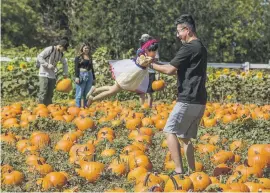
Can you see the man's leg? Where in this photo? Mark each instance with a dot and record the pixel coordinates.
(43, 88)
(189, 151)
(51, 87)
(174, 148)
(173, 128)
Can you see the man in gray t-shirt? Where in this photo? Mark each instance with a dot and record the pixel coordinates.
(189, 65)
(47, 62)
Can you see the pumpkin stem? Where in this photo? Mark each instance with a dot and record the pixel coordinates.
(77, 152)
(126, 152)
(145, 182)
(94, 157)
(174, 183)
(235, 149)
(199, 177)
(39, 162)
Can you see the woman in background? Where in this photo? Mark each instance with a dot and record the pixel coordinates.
(84, 74)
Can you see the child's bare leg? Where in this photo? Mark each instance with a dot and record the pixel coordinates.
(112, 91)
(109, 91)
(150, 99)
(142, 99)
(103, 88)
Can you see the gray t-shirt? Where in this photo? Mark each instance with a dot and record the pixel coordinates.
(54, 57)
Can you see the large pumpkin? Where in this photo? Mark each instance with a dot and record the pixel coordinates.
(64, 85)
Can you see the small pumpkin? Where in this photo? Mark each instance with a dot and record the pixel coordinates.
(118, 168)
(64, 85)
(40, 139)
(84, 123)
(158, 85)
(13, 178)
(64, 145)
(200, 181)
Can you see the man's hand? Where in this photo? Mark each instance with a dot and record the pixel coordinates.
(77, 80)
(50, 66)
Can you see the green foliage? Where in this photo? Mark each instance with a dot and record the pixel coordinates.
(19, 80)
(249, 130)
(233, 31)
(227, 85)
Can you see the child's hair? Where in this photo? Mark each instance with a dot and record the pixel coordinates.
(153, 47)
(150, 45)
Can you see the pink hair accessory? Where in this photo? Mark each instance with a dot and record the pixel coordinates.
(148, 44)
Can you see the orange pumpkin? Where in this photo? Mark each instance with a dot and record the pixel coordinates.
(54, 179)
(178, 183)
(207, 122)
(132, 124)
(254, 187)
(239, 187)
(141, 160)
(160, 124)
(6, 168)
(158, 85)
(200, 181)
(22, 144)
(40, 139)
(117, 168)
(64, 145)
(136, 173)
(90, 170)
(12, 178)
(64, 85)
(85, 123)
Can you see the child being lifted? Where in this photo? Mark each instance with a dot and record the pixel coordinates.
(129, 74)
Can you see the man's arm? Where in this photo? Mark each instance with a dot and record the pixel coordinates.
(165, 69)
(41, 57)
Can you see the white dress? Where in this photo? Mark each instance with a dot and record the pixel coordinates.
(130, 76)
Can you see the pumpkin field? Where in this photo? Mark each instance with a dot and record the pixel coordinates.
(118, 146)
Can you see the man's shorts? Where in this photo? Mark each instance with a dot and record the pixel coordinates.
(184, 120)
